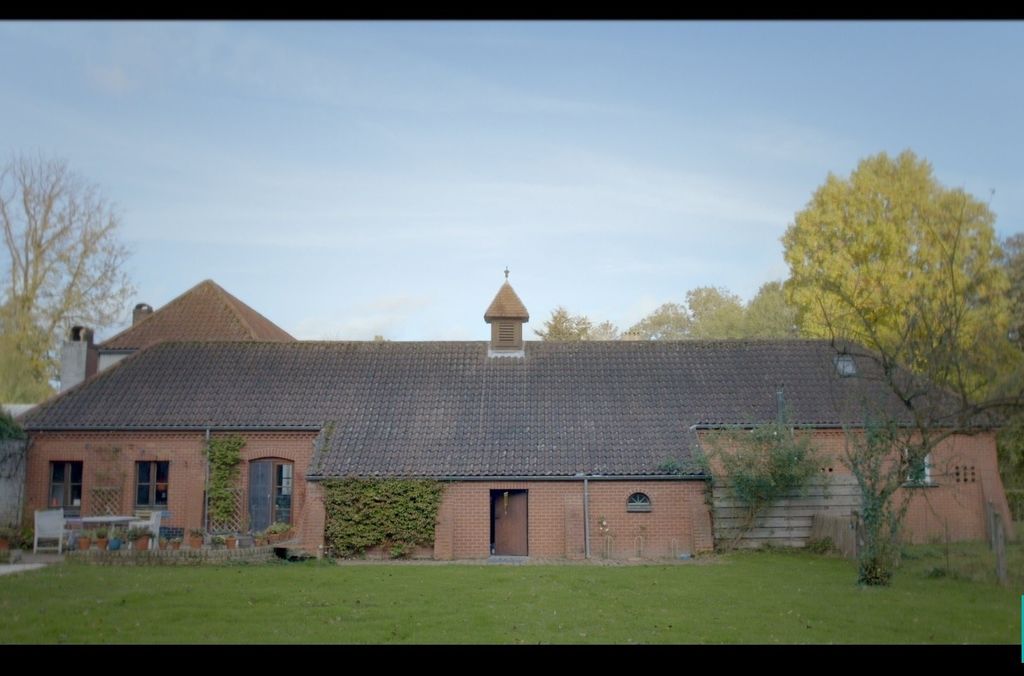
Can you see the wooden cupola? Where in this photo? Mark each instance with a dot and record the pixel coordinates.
(506, 315)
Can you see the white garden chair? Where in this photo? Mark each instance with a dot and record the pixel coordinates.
(49, 526)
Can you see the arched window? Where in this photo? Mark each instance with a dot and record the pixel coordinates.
(638, 502)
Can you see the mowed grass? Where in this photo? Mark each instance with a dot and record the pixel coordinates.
(760, 597)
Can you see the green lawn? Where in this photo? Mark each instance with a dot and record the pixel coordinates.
(773, 597)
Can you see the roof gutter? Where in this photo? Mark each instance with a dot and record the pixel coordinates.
(751, 425)
(826, 426)
(575, 477)
(175, 428)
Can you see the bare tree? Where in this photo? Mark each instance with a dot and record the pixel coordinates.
(62, 264)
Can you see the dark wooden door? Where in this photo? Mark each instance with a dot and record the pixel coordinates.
(261, 489)
(509, 510)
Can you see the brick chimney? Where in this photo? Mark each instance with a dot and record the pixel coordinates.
(141, 311)
(506, 315)
(78, 357)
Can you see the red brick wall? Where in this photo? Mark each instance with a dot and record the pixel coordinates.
(108, 458)
(952, 506)
(679, 521)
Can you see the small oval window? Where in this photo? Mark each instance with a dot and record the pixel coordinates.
(638, 502)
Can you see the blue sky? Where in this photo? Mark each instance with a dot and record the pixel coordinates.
(358, 178)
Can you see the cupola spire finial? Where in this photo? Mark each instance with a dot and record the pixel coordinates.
(506, 272)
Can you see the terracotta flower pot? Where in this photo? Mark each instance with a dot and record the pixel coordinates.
(4, 544)
(231, 542)
(84, 543)
(141, 544)
(195, 541)
(175, 546)
(101, 544)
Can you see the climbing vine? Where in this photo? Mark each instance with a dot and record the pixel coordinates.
(763, 464)
(396, 514)
(225, 455)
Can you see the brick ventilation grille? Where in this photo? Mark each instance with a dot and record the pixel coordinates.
(106, 501)
(965, 474)
(233, 524)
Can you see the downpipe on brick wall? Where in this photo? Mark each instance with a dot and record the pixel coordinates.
(586, 516)
(206, 488)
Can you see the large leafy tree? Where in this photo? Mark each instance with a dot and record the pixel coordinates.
(715, 313)
(893, 260)
(564, 326)
(1013, 249)
(770, 315)
(671, 321)
(62, 264)
(1011, 437)
(910, 271)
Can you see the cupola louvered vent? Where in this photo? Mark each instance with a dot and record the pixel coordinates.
(506, 316)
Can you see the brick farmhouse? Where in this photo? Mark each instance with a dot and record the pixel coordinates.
(547, 449)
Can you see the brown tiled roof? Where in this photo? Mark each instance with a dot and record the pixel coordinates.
(205, 312)
(506, 305)
(444, 409)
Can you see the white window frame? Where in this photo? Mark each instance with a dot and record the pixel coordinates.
(926, 480)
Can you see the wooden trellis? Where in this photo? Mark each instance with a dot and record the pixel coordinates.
(233, 524)
(105, 500)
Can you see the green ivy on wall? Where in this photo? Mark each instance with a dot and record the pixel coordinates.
(396, 514)
(225, 455)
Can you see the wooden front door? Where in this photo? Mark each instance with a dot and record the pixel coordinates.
(509, 519)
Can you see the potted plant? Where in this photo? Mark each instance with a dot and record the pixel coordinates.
(195, 538)
(116, 539)
(85, 540)
(259, 538)
(277, 531)
(101, 538)
(175, 543)
(217, 541)
(231, 541)
(139, 537)
(163, 543)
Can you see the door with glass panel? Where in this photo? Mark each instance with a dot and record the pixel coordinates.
(270, 493)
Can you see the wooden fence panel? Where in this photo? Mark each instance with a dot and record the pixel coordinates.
(789, 521)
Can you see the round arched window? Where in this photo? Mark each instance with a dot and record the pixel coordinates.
(638, 502)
